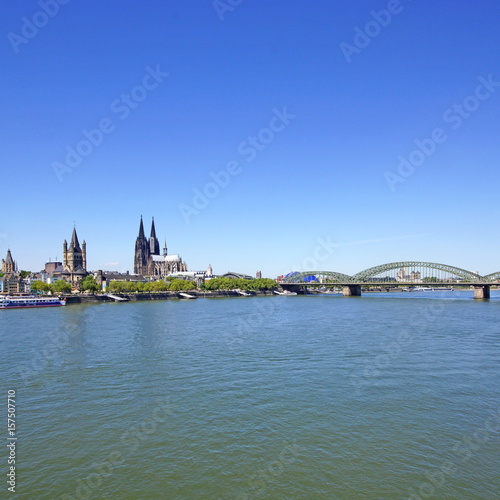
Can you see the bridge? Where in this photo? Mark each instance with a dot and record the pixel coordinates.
(408, 273)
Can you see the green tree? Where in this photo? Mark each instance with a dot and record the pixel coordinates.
(89, 284)
(160, 286)
(39, 286)
(178, 285)
(60, 286)
(115, 287)
(129, 286)
(266, 284)
(241, 284)
(24, 274)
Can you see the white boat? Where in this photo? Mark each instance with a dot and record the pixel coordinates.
(10, 302)
(243, 294)
(187, 295)
(287, 293)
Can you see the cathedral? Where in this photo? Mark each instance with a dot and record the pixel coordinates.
(147, 259)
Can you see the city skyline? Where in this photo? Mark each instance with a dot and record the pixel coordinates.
(320, 254)
(342, 135)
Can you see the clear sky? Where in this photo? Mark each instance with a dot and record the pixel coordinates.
(261, 135)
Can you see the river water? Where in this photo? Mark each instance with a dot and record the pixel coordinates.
(308, 397)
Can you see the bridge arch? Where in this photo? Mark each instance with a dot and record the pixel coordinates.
(326, 276)
(492, 277)
(372, 272)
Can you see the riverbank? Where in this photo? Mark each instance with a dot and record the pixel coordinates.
(130, 297)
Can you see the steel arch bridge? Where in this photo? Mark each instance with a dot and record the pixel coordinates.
(492, 277)
(369, 275)
(454, 271)
(330, 276)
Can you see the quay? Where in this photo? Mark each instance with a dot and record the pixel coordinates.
(84, 298)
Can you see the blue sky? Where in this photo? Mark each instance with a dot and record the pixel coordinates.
(303, 112)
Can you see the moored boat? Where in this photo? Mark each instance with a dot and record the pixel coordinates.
(286, 293)
(11, 302)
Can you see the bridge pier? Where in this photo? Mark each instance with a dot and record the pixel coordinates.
(482, 292)
(352, 291)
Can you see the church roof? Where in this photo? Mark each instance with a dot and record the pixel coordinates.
(75, 245)
(166, 258)
(9, 259)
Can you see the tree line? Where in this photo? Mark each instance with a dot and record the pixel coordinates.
(240, 284)
(89, 284)
(174, 285)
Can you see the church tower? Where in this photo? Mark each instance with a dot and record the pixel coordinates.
(154, 244)
(74, 257)
(142, 252)
(8, 264)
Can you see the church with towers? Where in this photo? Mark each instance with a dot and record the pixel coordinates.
(75, 256)
(147, 259)
(9, 266)
(74, 264)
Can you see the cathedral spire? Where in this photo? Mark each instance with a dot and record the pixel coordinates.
(141, 230)
(154, 244)
(165, 248)
(142, 252)
(153, 230)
